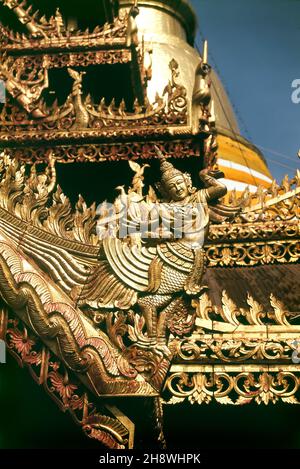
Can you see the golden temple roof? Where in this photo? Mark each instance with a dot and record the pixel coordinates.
(74, 307)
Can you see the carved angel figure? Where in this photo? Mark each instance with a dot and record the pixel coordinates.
(159, 273)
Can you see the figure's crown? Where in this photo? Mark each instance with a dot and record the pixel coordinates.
(168, 171)
(166, 168)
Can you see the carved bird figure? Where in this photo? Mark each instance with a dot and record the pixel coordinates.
(138, 178)
(82, 116)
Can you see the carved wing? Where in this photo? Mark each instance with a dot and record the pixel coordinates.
(116, 281)
(103, 289)
(130, 264)
(68, 263)
(109, 282)
(219, 213)
(134, 166)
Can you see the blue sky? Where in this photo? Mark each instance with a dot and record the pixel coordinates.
(255, 45)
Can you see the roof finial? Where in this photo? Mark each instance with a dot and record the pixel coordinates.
(205, 52)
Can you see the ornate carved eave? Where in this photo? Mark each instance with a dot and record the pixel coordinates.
(51, 34)
(237, 355)
(266, 231)
(81, 128)
(71, 128)
(27, 119)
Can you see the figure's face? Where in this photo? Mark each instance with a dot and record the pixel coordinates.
(177, 188)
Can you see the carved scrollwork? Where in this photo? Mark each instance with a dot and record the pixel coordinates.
(78, 326)
(199, 388)
(267, 388)
(74, 59)
(176, 97)
(223, 387)
(232, 350)
(107, 151)
(243, 254)
(256, 230)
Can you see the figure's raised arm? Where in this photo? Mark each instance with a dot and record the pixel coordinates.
(214, 188)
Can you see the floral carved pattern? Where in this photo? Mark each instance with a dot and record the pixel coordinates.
(60, 384)
(233, 388)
